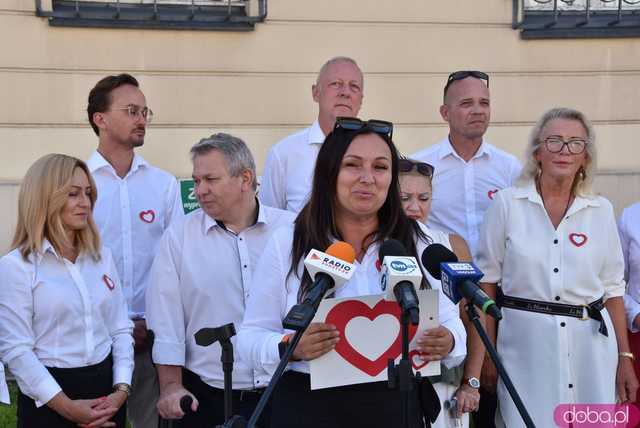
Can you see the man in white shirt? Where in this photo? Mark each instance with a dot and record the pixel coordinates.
(136, 203)
(288, 170)
(468, 172)
(201, 278)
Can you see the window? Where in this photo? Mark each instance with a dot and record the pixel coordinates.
(239, 15)
(549, 19)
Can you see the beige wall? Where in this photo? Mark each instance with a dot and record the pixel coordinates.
(257, 84)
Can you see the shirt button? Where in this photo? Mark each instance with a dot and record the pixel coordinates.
(555, 270)
(555, 241)
(557, 298)
(570, 385)
(562, 324)
(244, 266)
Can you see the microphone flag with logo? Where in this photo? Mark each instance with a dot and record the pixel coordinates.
(329, 271)
(400, 277)
(458, 279)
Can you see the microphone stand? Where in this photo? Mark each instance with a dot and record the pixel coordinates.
(298, 319)
(401, 376)
(502, 372)
(223, 334)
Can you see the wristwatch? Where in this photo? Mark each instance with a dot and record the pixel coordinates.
(473, 382)
(122, 387)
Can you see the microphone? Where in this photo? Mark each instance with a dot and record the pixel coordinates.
(459, 279)
(400, 277)
(329, 271)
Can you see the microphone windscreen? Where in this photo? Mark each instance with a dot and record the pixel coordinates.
(435, 254)
(391, 247)
(343, 251)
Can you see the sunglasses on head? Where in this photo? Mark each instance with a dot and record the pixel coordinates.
(407, 165)
(463, 74)
(381, 127)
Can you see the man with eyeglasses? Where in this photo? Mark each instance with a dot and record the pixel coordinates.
(286, 179)
(137, 203)
(468, 173)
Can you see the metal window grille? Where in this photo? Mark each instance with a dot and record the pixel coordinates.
(576, 18)
(240, 15)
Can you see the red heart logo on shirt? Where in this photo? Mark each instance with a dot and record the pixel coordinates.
(491, 193)
(109, 282)
(578, 239)
(416, 361)
(343, 312)
(147, 216)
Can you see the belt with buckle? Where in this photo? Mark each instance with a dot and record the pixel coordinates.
(583, 312)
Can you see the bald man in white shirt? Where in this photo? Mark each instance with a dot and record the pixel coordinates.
(201, 279)
(136, 203)
(286, 179)
(468, 172)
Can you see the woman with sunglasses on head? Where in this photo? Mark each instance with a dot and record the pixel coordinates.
(355, 198)
(64, 329)
(551, 256)
(415, 194)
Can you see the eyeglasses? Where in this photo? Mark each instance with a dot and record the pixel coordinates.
(555, 144)
(407, 165)
(463, 74)
(381, 127)
(133, 111)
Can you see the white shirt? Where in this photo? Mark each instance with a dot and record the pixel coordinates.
(5, 397)
(487, 172)
(132, 213)
(54, 313)
(274, 293)
(201, 277)
(288, 171)
(553, 359)
(629, 228)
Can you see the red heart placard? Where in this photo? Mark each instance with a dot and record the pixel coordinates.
(343, 312)
(416, 362)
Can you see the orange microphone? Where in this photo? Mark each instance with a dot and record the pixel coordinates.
(329, 271)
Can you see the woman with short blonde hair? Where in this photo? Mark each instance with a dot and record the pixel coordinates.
(64, 328)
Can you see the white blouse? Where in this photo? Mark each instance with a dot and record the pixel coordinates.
(54, 313)
(274, 293)
(553, 359)
(629, 227)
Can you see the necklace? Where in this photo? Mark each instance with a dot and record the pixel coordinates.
(566, 208)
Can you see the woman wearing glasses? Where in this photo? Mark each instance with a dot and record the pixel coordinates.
(415, 194)
(552, 247)
(64, 329)
(355, 198)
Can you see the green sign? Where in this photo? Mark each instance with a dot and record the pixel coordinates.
(188, 194)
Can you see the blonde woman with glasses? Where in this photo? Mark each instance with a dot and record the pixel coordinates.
(64, 329)
(550, 252)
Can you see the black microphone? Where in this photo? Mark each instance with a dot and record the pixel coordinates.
(400, 275)
(458, 279)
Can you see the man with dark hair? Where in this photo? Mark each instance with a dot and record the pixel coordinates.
(136, 205)
(468, 172)
(286, 179)
(201, 278)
